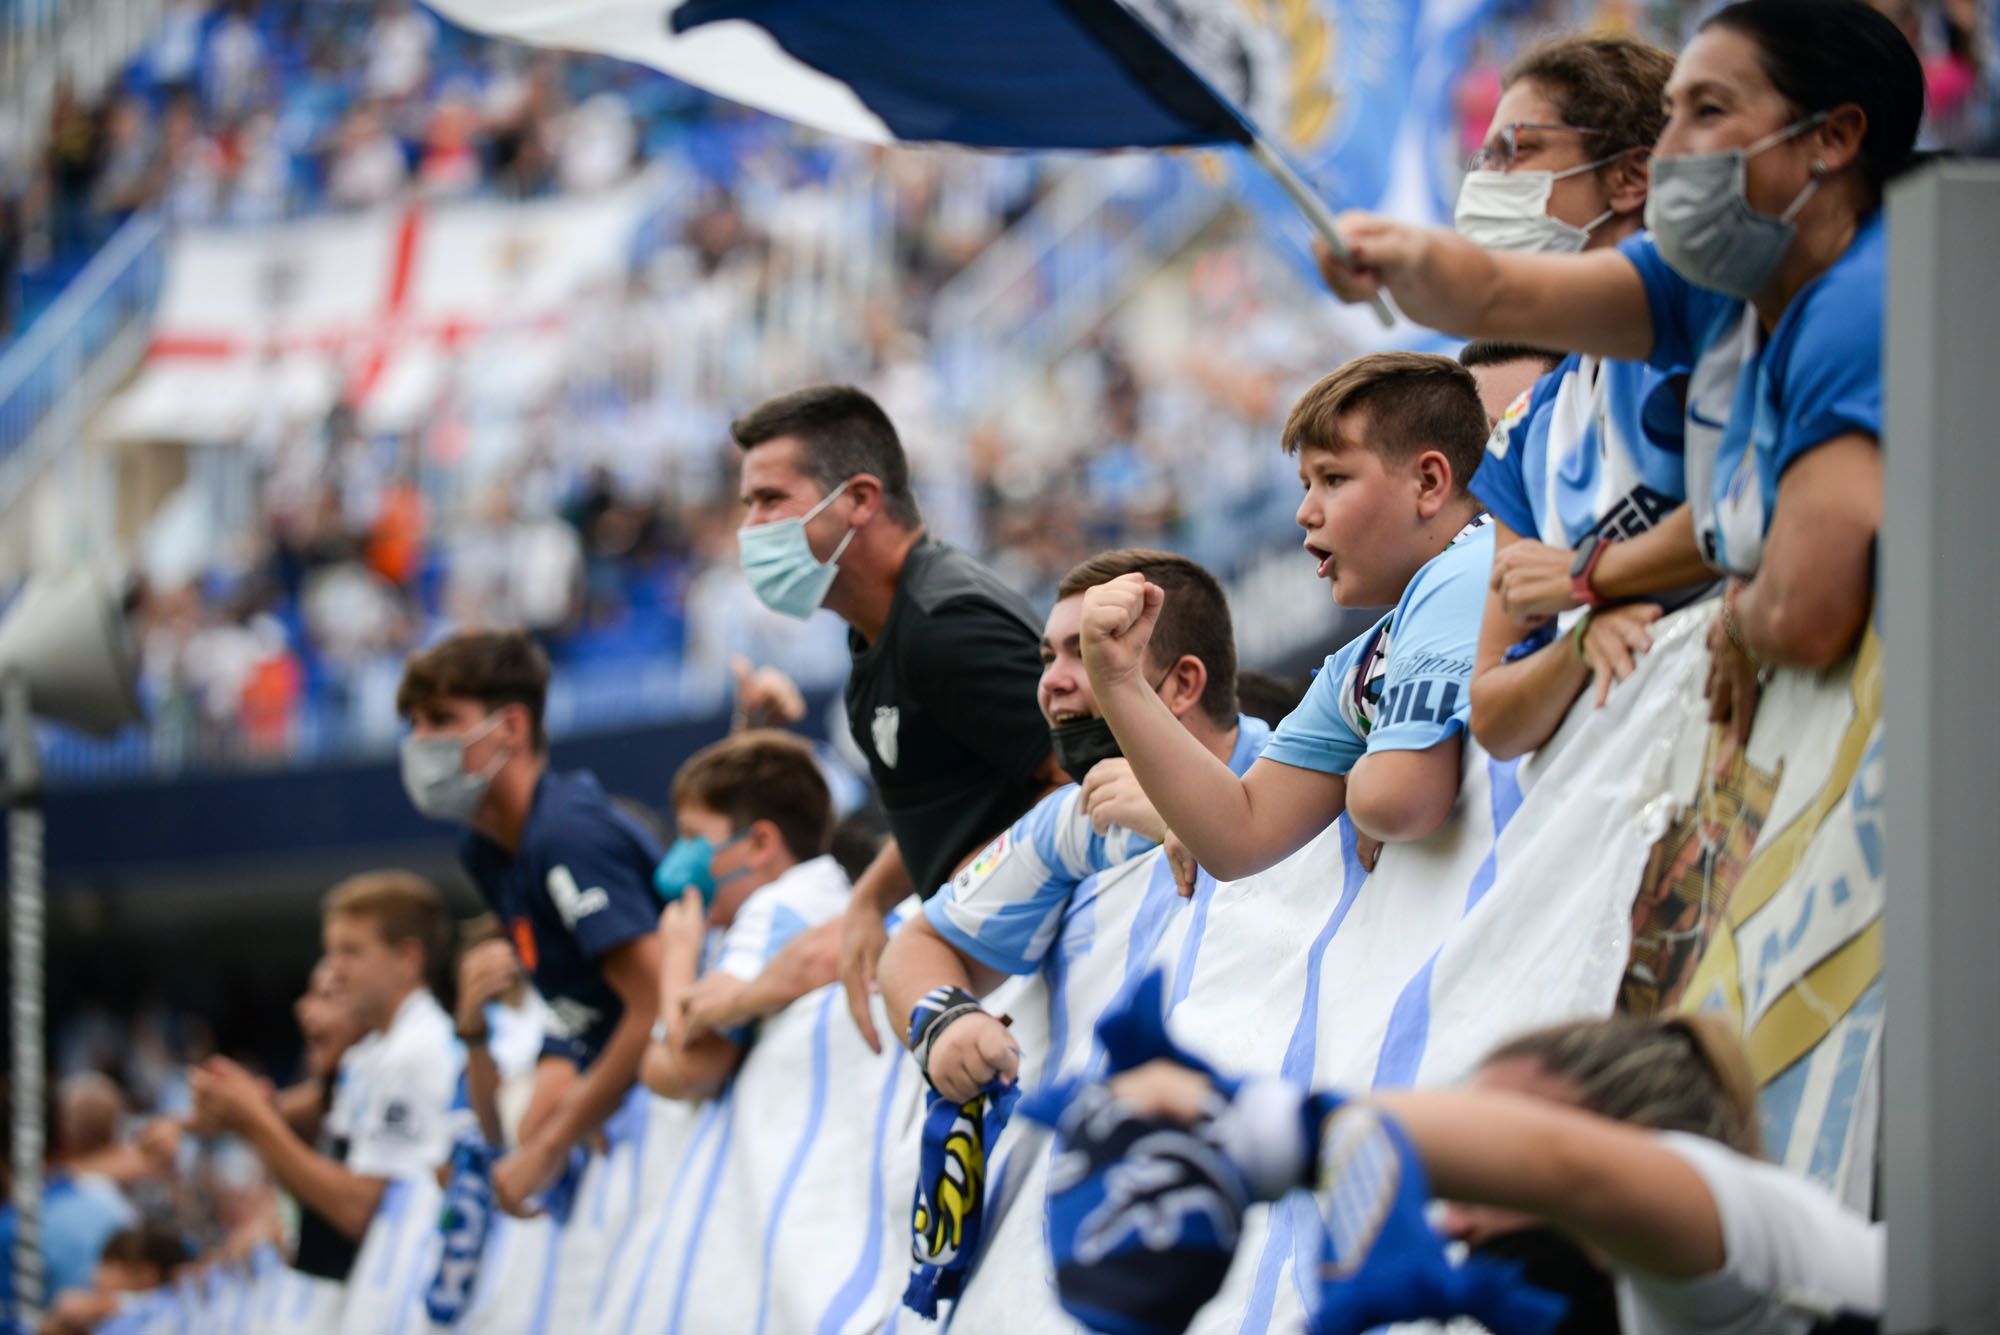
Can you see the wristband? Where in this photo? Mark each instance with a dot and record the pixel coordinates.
(938, 1008)
(1588, 553)
(1576, 637)
(1732, 629)
(474, 1037)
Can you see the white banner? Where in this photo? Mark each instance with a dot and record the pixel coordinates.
(783, 1206)
(264, 326)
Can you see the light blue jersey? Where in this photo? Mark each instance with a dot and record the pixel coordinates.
(1406, 684)
(1592, 446)
(1755, 404)
(1005, 907)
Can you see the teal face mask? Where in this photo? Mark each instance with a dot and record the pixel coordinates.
(689, 865)
(779, 563)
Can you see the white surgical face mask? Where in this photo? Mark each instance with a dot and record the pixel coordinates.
(1510, 211)
(1699, 213)
(435, 777)
(779, 563)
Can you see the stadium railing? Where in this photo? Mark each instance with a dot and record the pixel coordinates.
(69, 360)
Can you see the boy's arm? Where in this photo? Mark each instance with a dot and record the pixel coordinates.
(1234, 827)
(633, 971)
(919, 959)
(1399, 796)
(1517, 706)
(343, 1198)
(682, 1061)
(303, 1106)
(973, 1049)
(230, 1097)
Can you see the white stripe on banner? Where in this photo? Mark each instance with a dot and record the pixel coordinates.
(736, 60)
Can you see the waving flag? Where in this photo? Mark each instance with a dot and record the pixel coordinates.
(1019, 74)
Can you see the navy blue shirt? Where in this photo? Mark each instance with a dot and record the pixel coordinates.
(579, 887)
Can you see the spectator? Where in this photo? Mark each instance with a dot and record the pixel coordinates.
(1268, 696)
(1593, 456)
(134, 1260)
(510, 1063)
(400, 42)
(1504, 372)
(368, 165)
(1000, 916)
(389, 1114)
(569, 875)
(81, 1207)
(940, 696)
(235, 63)
(1385, 445)
(1762, 270)
(749, 873)
(1616, 1159)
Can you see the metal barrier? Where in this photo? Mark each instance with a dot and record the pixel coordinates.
(76, 353)
(1041, 288)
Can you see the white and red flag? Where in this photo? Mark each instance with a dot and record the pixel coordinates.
(375, 309)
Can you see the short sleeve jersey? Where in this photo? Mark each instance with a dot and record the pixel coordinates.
(579, 886)
(1756, 404)
(391, 1108)
(806, 895)
(1005, 907)
(1593, 446)
(1794, 1258)
(1404, 685)
(943, 705)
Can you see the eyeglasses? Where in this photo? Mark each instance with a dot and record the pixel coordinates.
(1498, 154)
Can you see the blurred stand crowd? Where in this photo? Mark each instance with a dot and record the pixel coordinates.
(294, 570)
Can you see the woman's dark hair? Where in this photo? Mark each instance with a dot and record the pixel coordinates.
(1822, 54)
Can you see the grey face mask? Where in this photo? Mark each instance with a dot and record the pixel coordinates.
(1701, 219)
(435, 777)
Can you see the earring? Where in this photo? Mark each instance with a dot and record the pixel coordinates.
(1818, 167)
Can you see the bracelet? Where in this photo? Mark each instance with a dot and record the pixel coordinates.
(1576, 636)
(474, 1037)
(937, 1009)
(1733, 630)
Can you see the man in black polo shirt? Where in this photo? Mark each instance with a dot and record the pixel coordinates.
(941, 698)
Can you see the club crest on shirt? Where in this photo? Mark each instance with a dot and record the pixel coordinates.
(572, 902)
(1503, 430)
(888, 718)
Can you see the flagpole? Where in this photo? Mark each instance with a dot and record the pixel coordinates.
(1315, 209)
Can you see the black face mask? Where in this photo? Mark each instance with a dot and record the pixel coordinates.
(1550, 1260)
(1081, 743)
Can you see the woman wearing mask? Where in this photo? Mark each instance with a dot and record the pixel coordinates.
(1592, 454)
(1762, 273)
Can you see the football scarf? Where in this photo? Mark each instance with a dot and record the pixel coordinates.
(1382, 1262)
(948, 1218)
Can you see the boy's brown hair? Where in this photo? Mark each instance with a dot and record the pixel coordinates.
(402, 905)
(1415, 401)
(762, 774)
(1194, 620)
(494, 667)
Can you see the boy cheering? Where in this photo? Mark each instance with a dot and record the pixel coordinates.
(1385, 447)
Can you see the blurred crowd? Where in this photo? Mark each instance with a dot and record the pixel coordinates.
(287, 580)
